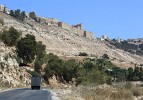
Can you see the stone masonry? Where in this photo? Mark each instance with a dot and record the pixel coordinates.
(77, 29)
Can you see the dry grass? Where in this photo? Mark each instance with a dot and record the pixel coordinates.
(106, 92)
(137, 91)
(121, 94)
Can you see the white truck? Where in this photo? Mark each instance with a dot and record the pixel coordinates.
(35, 83)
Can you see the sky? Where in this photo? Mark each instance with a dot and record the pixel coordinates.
(114, 18)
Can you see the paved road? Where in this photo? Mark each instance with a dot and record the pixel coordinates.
(25, 94)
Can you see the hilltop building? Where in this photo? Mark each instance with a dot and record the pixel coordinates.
(4, 9)
(104, 37)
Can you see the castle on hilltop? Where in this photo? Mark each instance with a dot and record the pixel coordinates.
(76, 29)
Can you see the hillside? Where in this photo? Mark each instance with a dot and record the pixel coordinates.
(11, 74)
(65, 43)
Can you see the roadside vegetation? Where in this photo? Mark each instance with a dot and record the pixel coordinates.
(124, 91)
(97, 70)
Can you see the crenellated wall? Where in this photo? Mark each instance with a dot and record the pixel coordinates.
(77, 29)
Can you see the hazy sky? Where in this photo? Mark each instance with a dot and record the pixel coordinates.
(115, 18)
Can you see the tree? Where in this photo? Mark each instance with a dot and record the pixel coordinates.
(40, 56)
(105, 56)
(18, 14)
(11, 36)
(53, 66)
(22, 15)
(40, 50)
(12, 13)
(88, 66)
(70, 70)
(26, 48)
(38, 66)
(119, 74)
(100, 63)
(63, 70)
(130, 70)
(98, 77)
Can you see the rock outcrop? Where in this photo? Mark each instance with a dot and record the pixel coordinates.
(11, 75)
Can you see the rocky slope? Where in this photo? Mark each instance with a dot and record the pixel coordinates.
(67, 44)
(11, 75)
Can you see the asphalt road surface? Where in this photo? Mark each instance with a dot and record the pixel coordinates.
(26, 94)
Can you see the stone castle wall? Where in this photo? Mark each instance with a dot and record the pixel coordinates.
(49, 21)
(80, 32)
(64, 26)
(77, 29)
(88, 35)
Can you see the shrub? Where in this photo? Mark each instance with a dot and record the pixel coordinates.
(109, 81)
(83, 54)
(81, 80)
(97, 77)
(11, 36)
(137, 91)
(128, 85)
(105, 56)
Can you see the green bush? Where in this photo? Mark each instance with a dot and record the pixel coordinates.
(97, 77)
(105, 56)
(26, 48)
(34, 74)
(83, 54)
(137, 92)
(128, 85)
(109, 81)
(10, 37)
(82, 80)
(38, 66)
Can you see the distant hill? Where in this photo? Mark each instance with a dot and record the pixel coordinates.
(134, 46)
